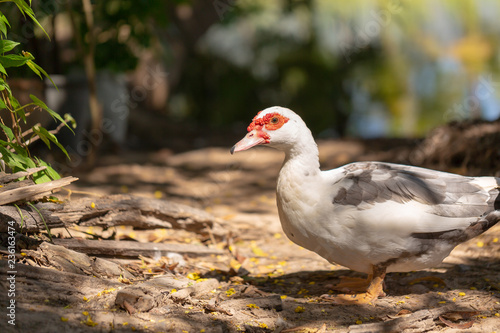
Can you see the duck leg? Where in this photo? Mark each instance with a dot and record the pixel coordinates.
(374, 290)
(348, 284)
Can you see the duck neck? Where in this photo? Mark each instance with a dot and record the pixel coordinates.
(303, 157)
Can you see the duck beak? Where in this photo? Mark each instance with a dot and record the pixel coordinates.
(250, 140)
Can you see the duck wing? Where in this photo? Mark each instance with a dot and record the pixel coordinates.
(431, 203)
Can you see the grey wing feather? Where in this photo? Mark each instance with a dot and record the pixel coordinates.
(368, 183)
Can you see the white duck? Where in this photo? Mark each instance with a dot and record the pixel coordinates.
(371, 217)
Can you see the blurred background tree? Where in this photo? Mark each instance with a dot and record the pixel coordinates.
(197, 71)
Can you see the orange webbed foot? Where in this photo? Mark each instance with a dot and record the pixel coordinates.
(374, 290)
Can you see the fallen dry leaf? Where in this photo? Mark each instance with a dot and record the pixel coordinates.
(454, 325)
(403, 312)
(459, 315)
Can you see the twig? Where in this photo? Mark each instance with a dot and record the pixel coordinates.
(43, 219)
(29, 131)
(15, 125)
(22, 216)
(37, 137)
(130, 309)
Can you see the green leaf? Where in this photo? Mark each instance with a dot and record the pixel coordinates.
(15, 161)
(2, 104)
(7, 131)
(53, 174)
(70, 120)
(54, 114)
(46, 136)
(8, 158)
(25, 9)
(22, 114)
(14, 102)
(29, 162)
(5, 86)
(38, 131)
(41, 177)
(3, 24)
(37, 69)
(18, 148)
(2, 69)
(13, 60)
(7, 45)
(31, 64)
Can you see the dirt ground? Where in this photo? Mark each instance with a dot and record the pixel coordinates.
(262, 282)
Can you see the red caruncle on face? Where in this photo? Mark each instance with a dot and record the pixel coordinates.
(271, 121)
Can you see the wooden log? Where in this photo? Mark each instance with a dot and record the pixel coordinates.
(139, 212)
(27, 218)
(419, 321)
(32, 192)
(132, 249)
(56, 277)
(14, 185)
(67, 260)
(5, 177)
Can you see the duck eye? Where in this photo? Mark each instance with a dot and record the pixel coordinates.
(274, 120)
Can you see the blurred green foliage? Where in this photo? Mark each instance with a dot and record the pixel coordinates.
(362, 67)
(14, 144)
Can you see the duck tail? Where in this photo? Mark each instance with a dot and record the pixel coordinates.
(484, 223)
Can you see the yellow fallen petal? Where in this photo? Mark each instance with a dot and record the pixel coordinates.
(89, 322)
(480, 244)
(299, 309)
(359, 322)
(283, 296)
(258, 252)
(253, 306)
(461, 294)
(158, 194)
(64, 319)
(235, 264)
(92, 205)
(495, 240)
